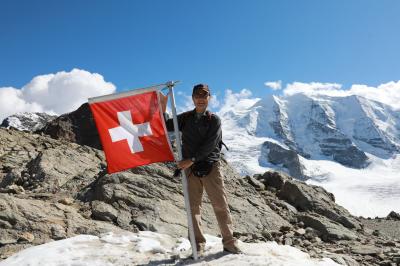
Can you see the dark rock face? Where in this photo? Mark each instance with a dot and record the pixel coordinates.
(393, 216)
(373, 135)
(27, 121)
(331, 141)
(289, 159)
(344, 152)
(77, 126)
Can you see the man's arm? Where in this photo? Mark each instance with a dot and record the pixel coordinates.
(170, 127)
(169, 122)
(213, 138)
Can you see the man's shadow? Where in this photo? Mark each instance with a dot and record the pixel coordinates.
(186, 261)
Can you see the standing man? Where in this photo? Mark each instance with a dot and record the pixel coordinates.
(201, 150)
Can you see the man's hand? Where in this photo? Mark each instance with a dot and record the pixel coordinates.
(163, 101)
(184, 164)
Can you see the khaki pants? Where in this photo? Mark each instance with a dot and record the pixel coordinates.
(213, 183)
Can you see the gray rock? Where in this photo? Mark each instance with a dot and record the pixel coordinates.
(393, 216)
(103, 211)
(288, 241)
(313, 198)
(342, 259)
(300, 231)
(255, 183)
(275, 179)
(14, 189)
(366, 250)
(329, 230)
(26, 237)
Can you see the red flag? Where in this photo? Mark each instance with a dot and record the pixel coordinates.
(132, 129)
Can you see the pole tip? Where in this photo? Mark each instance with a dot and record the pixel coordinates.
(172, 83)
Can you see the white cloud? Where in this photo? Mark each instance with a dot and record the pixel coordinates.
(214, 102)
(54, 93)
(312, 88)
(11, 101)
(387, 93)
(188, 103)
(274, 85)
(237, 101)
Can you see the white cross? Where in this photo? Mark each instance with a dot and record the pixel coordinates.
(129, 131)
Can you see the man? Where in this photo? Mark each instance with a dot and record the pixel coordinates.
(201, 150)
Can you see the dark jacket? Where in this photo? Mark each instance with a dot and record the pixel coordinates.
(201, 137)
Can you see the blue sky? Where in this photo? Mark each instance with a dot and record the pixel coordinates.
(227, 44)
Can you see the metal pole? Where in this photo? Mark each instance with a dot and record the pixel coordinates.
(170, 85)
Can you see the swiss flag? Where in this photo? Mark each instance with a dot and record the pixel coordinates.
(132, 129)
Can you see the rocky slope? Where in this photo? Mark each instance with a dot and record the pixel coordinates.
(53, 189)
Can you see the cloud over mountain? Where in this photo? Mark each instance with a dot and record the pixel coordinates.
(53, 93)
(387, 93)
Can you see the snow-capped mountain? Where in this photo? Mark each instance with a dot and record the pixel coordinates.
(27, 121)
(312, 136)
(341, 129)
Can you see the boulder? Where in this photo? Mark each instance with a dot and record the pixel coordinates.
(329, 230)
(275, 179)
(313, 198)
(393, 216)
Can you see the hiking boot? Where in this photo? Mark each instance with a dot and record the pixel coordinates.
(233, 249)
(200, 249)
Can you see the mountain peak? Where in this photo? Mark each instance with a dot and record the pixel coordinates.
(26, 121)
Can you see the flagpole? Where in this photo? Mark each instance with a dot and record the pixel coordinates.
(170, 85)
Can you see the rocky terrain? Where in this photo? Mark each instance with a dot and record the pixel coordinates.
(52, 189)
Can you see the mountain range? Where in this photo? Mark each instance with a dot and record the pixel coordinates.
(347, 130)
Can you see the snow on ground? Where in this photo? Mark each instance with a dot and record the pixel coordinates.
(154, 249)
(373, 191)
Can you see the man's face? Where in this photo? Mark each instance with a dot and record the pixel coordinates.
(200, 101)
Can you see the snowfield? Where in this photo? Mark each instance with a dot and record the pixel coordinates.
(149, 248)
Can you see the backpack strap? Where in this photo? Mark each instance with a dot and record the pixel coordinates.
(209, 115)
(226, 147)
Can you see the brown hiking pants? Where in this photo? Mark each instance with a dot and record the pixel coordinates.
(213, 183)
